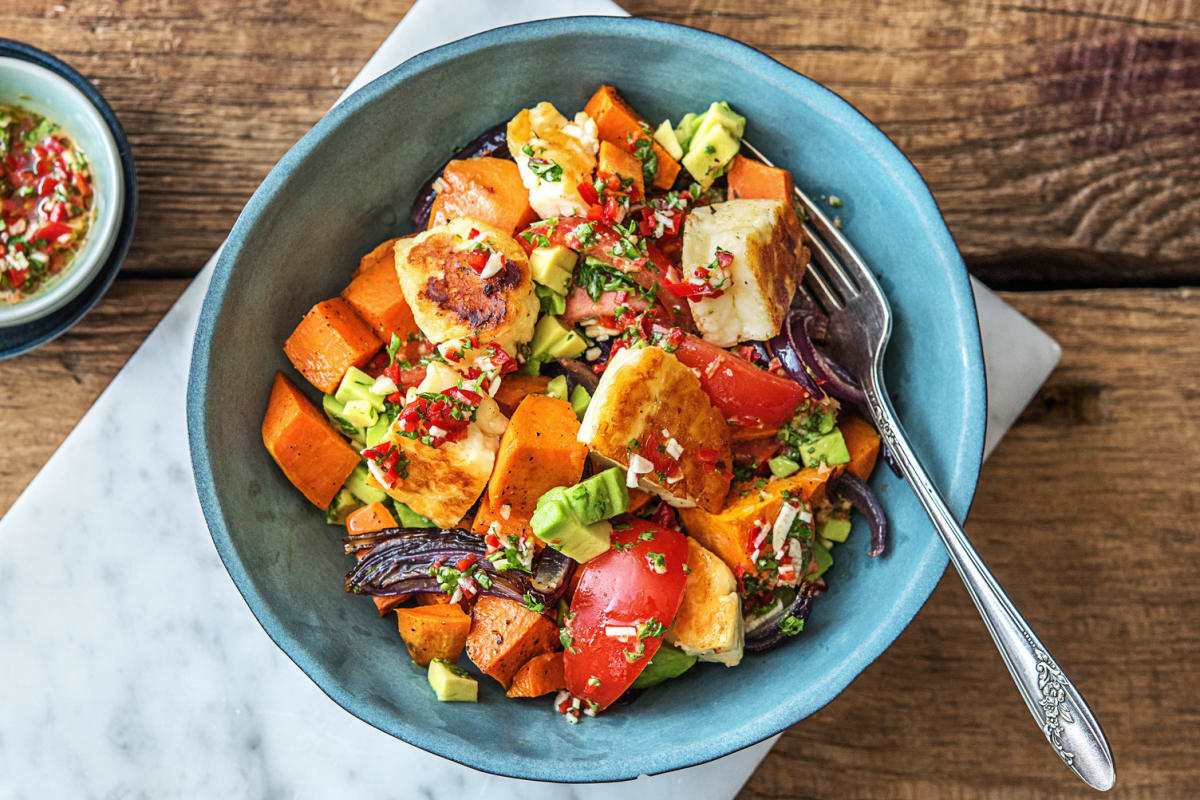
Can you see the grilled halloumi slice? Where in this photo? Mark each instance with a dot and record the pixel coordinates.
(450, 300)
(647, 396)
(769, 259)
(554, 155)
(444, 482)
(709, 623)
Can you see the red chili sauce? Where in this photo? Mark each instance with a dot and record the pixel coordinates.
(45, 202)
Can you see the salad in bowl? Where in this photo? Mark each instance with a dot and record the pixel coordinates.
(577, 429)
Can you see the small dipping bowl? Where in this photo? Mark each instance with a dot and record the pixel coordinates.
(43, 91)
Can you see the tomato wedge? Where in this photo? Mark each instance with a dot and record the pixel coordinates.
(625, 600)
(746, 395)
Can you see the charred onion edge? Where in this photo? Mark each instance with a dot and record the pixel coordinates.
(862, 497)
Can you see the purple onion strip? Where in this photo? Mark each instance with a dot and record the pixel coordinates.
(863, 498)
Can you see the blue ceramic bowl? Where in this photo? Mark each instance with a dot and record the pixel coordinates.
(347, 185)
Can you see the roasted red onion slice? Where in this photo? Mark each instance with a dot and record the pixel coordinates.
(832, 377)
(767, 633)
(863, 498)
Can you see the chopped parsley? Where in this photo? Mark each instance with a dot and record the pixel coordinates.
(532, 603)
(791, 625)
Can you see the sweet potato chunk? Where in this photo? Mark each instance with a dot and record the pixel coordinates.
(616, 161)
(329, 340)
(375, 296)
(755, 180)
(513, 389)
(538, 676)
(504, 635)
(863, 443)
(434, 631)
(728, 532)
(313, 456)
(618, 123)
(515, 525)
(488, 189)
(538, 451)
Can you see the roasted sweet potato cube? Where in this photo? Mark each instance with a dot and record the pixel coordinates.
(754, 180)
(505, 634)
(622, 163)
(313, 456)
(538, 451)
(376, 297)
(538, 676)
(433, 631)
(488, 189)
(515, 387)
(330, 339)
(617, 122)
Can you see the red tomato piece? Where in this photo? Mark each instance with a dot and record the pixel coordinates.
(743, 393)
(625, 600)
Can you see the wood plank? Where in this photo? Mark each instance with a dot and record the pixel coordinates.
(44, 393)
(1058, 138)
(1087, 514)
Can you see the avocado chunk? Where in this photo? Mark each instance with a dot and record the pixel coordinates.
(580, 400)
(356, 385)
(343, 503)
(665, 136)
(602, 496)
(830, 449)
(357, 485)
(712, 148)
(360, 413)
(553, 267)
(377, 432)
(782, 466)
(726, 117)
(834, 529)
(407, 518)
(823, 559)
(452, 684)
(335, 412)
(686, 129)
(557, 387)
(551, 339)
(668, 662)
(555, 523)
(550, 301)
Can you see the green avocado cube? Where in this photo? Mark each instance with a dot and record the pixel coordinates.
(553, 267)
(452, 684)
(377, 432)
(343, 503)
(686, 129)
(726, 117)
(357, 485)
(669, 662)
(356, 385)
(712, 148)
(360, 413)
(335, 412)
(552, 339)
(407, 518)
(823, 559)
(580, 400)
(834, 529)
(557, 387)
(829, 449)
(665, 136)
(550, 301)
(555, 523)
(782, 466)
(602, 496)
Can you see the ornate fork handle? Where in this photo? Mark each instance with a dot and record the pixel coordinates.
(1057, 706)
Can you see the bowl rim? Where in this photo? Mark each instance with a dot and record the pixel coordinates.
(105, 224)
(933, 561)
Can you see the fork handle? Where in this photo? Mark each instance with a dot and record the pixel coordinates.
(1053, 700)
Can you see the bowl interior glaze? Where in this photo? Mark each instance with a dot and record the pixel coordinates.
(347, 185)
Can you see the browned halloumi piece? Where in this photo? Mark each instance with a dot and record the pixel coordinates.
(450, 300)
(444, 482)
(709, 622)
(643, 393)
(769, 258)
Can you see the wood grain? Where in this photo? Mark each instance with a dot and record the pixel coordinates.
(1060, 139)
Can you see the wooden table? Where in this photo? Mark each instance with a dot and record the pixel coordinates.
(1062, 141)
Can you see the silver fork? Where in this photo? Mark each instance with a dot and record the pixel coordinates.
(860, 323)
